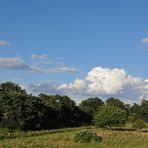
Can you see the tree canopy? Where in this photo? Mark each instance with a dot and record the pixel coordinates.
(110, 116)
(20, 110)
(91, 105)
(115, 102)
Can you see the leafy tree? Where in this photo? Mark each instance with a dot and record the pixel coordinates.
(144, 110)
(110, 116)
(140, 111)
(91, 105)
(115, 102)
(67, 113)
(19, 109)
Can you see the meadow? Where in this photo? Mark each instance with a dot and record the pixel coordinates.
(64, 138)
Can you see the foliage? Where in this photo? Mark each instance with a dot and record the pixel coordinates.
(66, 111)
(140, 111)
(144, 110)
(139, 124)
(131, 119)
(87, 136)
(110, 116)
(91, 105)
(115, 102)
(20, 110)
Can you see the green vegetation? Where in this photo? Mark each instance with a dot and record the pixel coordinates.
(87, 136)
(91, 105)
(139, 124)
(110, 116)
(65, 139)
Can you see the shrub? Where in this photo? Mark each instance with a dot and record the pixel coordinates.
(139, 124)
(87, 136)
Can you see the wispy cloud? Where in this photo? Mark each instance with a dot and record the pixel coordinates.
(46, 65)
(5, 43)
(62, 69)
(38, 56)
(18, 64)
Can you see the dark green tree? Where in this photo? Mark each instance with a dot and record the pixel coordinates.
(140, 111)
(144, 110)
(91, 105)
(115, 102)
(20, 110)
(67, 113)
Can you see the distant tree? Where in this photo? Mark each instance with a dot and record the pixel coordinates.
(135, 110)
(144, 110)
(67, 113)
(115, 102)
(91, 105)
(140, 111)
(110, 116)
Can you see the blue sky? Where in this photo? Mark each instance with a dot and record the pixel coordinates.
(61, 41)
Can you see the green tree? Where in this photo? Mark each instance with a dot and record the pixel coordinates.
(20, 110)
(67, 113)
(110, 116)
(140, 111)
(91, 105)
(115, 102)
(144, 110)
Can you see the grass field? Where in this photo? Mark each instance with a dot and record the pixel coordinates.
(111, 139)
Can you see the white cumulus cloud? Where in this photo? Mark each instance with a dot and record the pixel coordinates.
(108, 82)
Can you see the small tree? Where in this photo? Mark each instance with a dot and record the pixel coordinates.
(110, 116)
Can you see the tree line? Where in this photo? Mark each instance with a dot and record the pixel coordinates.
(20, 110)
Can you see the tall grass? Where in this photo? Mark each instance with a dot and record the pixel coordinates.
(111, 139)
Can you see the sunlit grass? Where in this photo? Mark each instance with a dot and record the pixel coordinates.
(111, 139)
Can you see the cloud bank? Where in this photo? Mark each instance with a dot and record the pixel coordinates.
(39, 66)
(102, 82)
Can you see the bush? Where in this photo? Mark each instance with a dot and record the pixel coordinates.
(131, 119)
(87, 136)
(139, 124)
